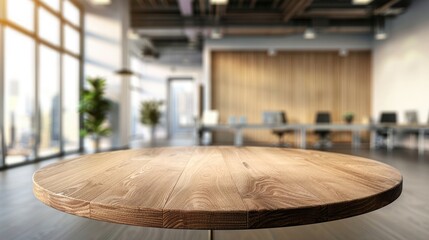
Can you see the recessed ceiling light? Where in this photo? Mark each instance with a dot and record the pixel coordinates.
(380, 35)
(101, 2)
(272, 52)
(216, 33)
(361, 2)
(380, 29)
(218, 2)
(343, 52)
(132, 35)
(309, 33)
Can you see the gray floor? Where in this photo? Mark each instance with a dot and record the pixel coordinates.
(24, 217)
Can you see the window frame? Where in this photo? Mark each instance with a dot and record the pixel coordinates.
(5, 23)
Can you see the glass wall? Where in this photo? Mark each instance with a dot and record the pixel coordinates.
(49, 101)
(40, 79)
(19, 96)
(70, 92)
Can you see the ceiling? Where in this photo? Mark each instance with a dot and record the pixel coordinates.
(174, 23)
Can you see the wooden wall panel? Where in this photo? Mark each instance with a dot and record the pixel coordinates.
(299, 82)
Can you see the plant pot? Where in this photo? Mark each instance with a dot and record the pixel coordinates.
(96, 144)
(348, 120)
(153, 134)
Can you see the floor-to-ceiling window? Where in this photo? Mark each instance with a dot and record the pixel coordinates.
(19, 96)
(40, 78)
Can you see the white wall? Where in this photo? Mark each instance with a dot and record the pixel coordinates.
(106, 51)
(401, 65)
(104, 54)
(154, 82)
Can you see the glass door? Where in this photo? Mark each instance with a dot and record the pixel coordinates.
(181, 107)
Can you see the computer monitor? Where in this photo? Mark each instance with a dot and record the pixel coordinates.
(388, 117)
(273, 117)
(411, 117)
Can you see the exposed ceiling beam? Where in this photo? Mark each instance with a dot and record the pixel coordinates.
(187, 11)
(336, 13)
(275, 3)
(240, 3)
(383, 9)
(220, 11)
(185, 7)
(294, 8)
(140, 3)
(193, 18)
(230, 20)
(152, 3)
(253, 3)
(202, 7)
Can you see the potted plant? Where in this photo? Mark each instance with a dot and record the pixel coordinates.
(95, 107)
(150, 114)
(348, 117)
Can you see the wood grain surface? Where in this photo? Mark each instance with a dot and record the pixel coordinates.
(301, 83)
(217, 187)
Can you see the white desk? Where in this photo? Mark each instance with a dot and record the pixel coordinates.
(422, 129)
(300, 130)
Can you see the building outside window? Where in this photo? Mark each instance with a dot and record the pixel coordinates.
(40, 79)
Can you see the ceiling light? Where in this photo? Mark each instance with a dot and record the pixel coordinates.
(124, 72)
(216, 33)
(343, 52)
(218, 2)
(361, 2)
(272, 52)
(309, 33)
(101, 2)
(132, 35)
(380, 35)
(380, 29)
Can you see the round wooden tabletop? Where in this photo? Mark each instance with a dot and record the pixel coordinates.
(217, 187)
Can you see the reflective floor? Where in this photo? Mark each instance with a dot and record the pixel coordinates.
(24, 217)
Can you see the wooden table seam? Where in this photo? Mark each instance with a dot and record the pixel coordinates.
(315, 196)
(174, 187)
(236, 187)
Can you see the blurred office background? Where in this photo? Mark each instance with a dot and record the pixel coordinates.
(246, 58)
(244, 72)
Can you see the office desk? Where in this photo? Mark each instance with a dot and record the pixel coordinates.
(422, 129)
(217, 188)
(300, 130)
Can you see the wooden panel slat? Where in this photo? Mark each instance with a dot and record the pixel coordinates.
(301, 83)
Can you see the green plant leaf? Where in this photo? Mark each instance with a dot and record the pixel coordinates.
(95, 108)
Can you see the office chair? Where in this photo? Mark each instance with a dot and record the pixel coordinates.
(210, 117)
(324, 141)
(412, 119)
(382, 134)
(282, 117)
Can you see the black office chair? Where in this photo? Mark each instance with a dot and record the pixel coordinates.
(382, 134)
(282, 132)
(324, 141)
